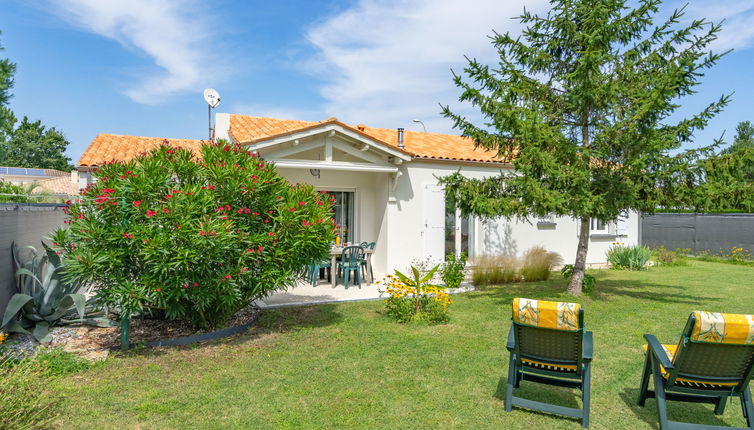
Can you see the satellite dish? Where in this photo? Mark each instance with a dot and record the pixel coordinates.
(212, 97)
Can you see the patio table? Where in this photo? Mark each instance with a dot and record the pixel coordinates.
(336, 251)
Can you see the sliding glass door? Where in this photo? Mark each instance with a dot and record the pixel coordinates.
(344, 214)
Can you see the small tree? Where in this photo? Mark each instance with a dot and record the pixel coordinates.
(581, 104)
(167, 234)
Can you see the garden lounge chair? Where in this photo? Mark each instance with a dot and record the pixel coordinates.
(712, 361)
(548, 344)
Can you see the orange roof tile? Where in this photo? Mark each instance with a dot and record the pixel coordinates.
(250, 129)
(109, 147)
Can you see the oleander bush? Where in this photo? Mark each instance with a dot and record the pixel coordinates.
(629, 257)
(171, 235)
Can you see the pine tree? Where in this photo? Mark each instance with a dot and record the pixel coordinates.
(581, 105)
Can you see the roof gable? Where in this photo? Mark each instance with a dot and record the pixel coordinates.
(433, 146)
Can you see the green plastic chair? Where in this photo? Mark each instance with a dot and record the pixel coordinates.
(713, 361)
(313, 271)
(350, 261)
(548, 344)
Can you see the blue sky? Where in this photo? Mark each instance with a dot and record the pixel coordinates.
(139, 67)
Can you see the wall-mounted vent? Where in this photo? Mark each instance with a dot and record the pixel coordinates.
(400, 138)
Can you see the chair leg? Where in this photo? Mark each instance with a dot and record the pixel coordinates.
(357, 272)
(662, 409)
(720, 405)
(586, 383)
(511, 382)
(346, 276)
(645, 375)
(748, 407)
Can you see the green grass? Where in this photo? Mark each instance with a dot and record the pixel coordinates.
(349, 366)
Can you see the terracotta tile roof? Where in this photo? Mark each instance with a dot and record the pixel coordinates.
(109, 147)
(61, 185)
(250, 129)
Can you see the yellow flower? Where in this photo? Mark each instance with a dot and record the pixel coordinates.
(3, 336)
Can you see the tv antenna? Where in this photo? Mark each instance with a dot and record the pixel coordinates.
(212, 97)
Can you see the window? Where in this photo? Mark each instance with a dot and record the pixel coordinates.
(457, 232)
(343, 212)
(598, 226)
(546, 222)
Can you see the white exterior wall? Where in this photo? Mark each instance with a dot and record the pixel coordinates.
(408, 223)
(370, 194)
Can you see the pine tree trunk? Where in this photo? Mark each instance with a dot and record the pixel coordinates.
(577, 280)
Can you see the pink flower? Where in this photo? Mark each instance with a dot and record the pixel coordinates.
(267, 221)
(196, 284)
(220, 208)
(255, 213)
(227, 276)
(137, 203)
(247, 210)
(202, 233)
(151, 213)
(270, 233)
(227, 207)
(260, 248)
(128, 235)
(292, 210)
(158, 290)
(320, 202)
(301, 203)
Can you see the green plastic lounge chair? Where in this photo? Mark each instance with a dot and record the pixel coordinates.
(548, 344)
(712, 361)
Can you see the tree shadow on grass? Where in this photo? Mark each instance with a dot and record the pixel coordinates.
(559, 396)
(693, 413)
(555, 289)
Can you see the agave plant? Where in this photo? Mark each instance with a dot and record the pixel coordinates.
(45, 298)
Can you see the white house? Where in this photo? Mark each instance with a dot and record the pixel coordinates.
(385, 183)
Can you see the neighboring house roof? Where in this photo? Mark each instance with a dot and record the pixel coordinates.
(437, 146)
(61, 185)
(30, 171)
(109, 147)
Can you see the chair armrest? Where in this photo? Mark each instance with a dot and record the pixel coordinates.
(656, 349)
(511, 340)
(588, 346)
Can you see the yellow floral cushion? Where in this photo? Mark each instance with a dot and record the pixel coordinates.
(544, 314)
(713, 327)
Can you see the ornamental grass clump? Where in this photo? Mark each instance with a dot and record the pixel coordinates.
(538, 263)
(415, 299)
(171, 235)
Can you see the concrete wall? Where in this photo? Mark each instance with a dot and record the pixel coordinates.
(26, 224)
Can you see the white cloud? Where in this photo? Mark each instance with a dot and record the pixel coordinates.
(176, 34)
(738, 28)
(387, 63)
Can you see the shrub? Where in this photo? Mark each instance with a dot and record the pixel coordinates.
(629, 257)
(587, 284)
(414, 299)
(178, 237)
(453, 270)
(666, 257)
(538, 263)
(494, 269)
(28, 401)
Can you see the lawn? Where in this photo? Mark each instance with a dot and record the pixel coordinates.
(349, 366)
